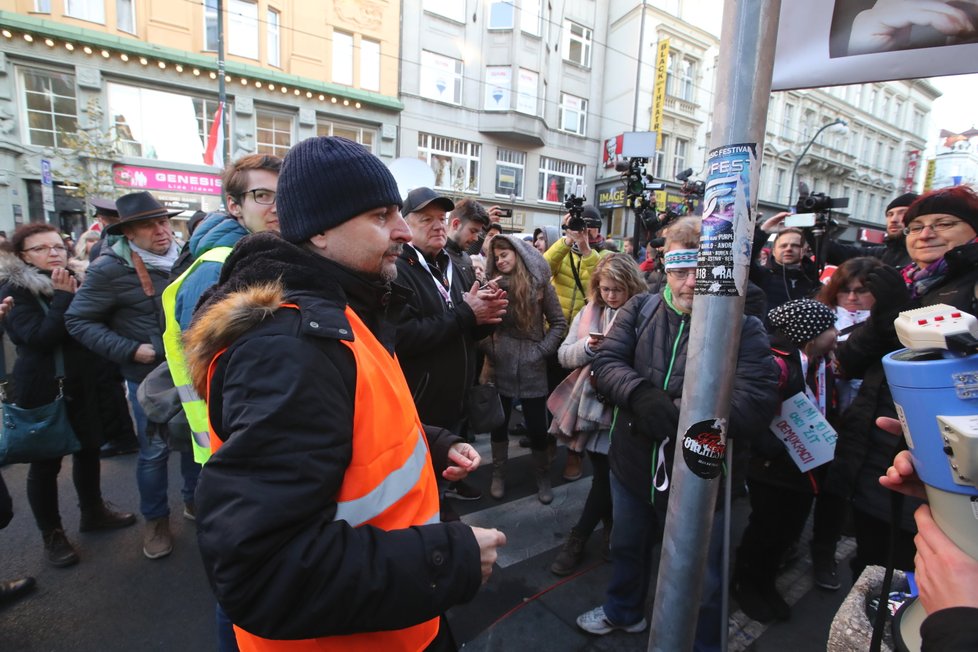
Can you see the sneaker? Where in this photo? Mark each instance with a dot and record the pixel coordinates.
(462, 491)
(190, 511)
(825, 571)
(58, 550)
(157, 540)
(11, 590)
(104, 517)
(595, 622)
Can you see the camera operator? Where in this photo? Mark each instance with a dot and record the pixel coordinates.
(946, 576)
(573, 258)
(893, 251)
(788, 274)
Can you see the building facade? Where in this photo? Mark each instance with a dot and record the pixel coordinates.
(956, 160)
(121, 95)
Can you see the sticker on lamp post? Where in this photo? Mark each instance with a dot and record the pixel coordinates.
(704, 447)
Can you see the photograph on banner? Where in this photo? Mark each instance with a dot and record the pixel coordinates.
(806, 435)
(834, 42)
(728, 225)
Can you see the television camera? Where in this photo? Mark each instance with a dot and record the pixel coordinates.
(813, 212)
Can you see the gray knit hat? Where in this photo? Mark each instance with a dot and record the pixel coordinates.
(802, 320)
(326, 181)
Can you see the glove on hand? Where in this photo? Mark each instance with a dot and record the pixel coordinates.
(654, 416)
(891, 294)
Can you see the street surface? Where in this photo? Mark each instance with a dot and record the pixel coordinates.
(116, 599)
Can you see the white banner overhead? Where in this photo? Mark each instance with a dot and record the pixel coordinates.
(834, 42)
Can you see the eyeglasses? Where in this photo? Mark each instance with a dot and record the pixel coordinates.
(605, 290)
(939, 226)
(43, 249)
(262, 196)
(681, 274)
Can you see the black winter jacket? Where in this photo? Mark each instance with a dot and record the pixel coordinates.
(111, 314)
(892, 252)
(639, 347)
(950, 630)
(436, 344)
(863, 452)
(38, 336)
(282, 399)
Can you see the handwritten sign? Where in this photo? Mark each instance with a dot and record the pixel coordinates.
(805, 433)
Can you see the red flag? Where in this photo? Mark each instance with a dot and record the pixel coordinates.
(214, 154)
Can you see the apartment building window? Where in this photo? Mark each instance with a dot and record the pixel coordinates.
(888, 163)
(679, 156)
(510, 166)
(49, 106)
(91, 10)
(577, 44)
(917, 126)
(858, 208)
(210, 25)
(880, 152)
(342, 58)
(527, 99)
(680, 76)
(243, 28)
(779, 182)
(159, 124)
(499, 82)
(573, 114)
(125, 18)
(363, 135)
(42, 6)
(369, 64)
(559, 178)
(448, 8)
(274, 133)
(659, 162)
(454, 162)
(787, 121)
(898, 114)
(441, 78)
(273, 38)
(501, 14)
(530, 16)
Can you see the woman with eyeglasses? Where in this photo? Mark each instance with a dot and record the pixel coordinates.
(941, 230)
(39, 277)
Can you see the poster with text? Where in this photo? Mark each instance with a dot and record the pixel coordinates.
(728, 224)
(807, 436)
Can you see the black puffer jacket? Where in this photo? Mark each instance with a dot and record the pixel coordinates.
(648, 337)
(282, 399)
(782, 284)
(112, 315)
(892, 252)
(863, 452)
(38, 335)
(436, 343)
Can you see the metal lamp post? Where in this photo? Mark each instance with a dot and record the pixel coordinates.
(838, 122)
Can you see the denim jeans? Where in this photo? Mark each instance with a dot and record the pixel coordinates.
(151, 471)
(636, 531)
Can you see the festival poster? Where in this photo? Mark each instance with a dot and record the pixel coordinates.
(728, 223)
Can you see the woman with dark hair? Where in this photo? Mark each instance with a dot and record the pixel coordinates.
(942, 239)
(517, 351)
(38, 275)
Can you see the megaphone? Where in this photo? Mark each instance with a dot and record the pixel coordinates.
(411, 173)
(934, 382)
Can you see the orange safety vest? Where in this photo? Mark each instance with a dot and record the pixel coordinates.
(389, 483)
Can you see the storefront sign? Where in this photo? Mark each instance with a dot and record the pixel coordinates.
(140, 178)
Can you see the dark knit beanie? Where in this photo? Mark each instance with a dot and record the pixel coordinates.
(326, 181)
(802, 320)
(959, 201)
(905, 199)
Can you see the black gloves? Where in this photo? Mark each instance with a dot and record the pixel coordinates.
(891, 294)
(654, 416)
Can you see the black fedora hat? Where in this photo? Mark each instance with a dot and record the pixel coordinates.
(136, 207)
(104, 206)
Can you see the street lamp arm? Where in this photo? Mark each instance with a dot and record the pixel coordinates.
(794, 168)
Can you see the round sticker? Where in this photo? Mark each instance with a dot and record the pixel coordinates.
(704, 445)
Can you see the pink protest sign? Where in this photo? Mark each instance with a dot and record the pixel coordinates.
(140, 178)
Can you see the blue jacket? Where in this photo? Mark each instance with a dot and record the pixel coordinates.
(217, 230)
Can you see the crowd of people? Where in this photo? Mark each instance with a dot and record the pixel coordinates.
(320, 341)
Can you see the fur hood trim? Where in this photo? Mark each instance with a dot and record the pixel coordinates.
(224, 322)
(16, 272)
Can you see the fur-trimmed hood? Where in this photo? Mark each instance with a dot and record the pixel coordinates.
(15, 271)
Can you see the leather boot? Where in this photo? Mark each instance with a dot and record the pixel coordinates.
(541, 463)
(573, 466)
(570, 555)
(500, 452)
